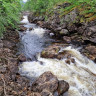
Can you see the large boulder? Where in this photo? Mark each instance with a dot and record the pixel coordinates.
(90, 34)
(46, 81)
(67, 39)
(46, 93)
(90, 52)
(48, 85)
(30, 17)
(50, 52)
(62, 87)
(22, 28)
(33, 18)
(53, 51)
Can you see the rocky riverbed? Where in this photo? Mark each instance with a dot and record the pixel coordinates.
(11, 82)
(70, 29)
(64, 60)
(49, 82)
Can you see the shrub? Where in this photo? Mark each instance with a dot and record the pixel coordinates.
(9, 10)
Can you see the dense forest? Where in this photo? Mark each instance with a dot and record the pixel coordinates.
(9, 13)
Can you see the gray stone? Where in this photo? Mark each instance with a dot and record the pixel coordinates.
(62, 87)
(64, 32)
(46, 81)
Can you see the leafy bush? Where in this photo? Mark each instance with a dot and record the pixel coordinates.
(9, 10)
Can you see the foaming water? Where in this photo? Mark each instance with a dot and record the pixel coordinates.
(32, 41)
(81, 75)
(25, 19)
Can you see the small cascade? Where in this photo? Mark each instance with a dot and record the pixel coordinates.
(32, 41)
(80, 75)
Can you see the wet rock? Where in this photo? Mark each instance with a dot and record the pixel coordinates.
(62, 55)
(36, 19)
(81, 30)
(22, 28)
(35, 94)
(46, 81)
(8, 44)
(47, 25)
(7, 50)
(40, 23)
(46, 93)
(90, 34)
(66, 39)
(90, 52)
(58, 29)
(53, 51)
(93, 28)
(48, 85)
(22, 81)
(33, 18)
(30, 17)
(30, 29)
(91, 49)
(51, 34)
(67, 61)
(62, 87)
(21, 24)
(22, 58)
(72, 60)
(64, 32)
(50, 52)
(72, 28)
(95, 60)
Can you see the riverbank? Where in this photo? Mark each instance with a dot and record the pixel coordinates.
(11, 82)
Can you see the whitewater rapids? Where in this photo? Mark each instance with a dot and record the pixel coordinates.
(80, 75)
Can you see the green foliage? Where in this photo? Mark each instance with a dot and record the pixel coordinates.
(9, 10)
(42, 7)
(39, 6)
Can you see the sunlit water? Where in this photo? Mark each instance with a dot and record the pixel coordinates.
(80, 75)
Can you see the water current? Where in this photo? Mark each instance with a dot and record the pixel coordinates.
(80, 75)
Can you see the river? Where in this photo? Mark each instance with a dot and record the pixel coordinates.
(80, 75)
